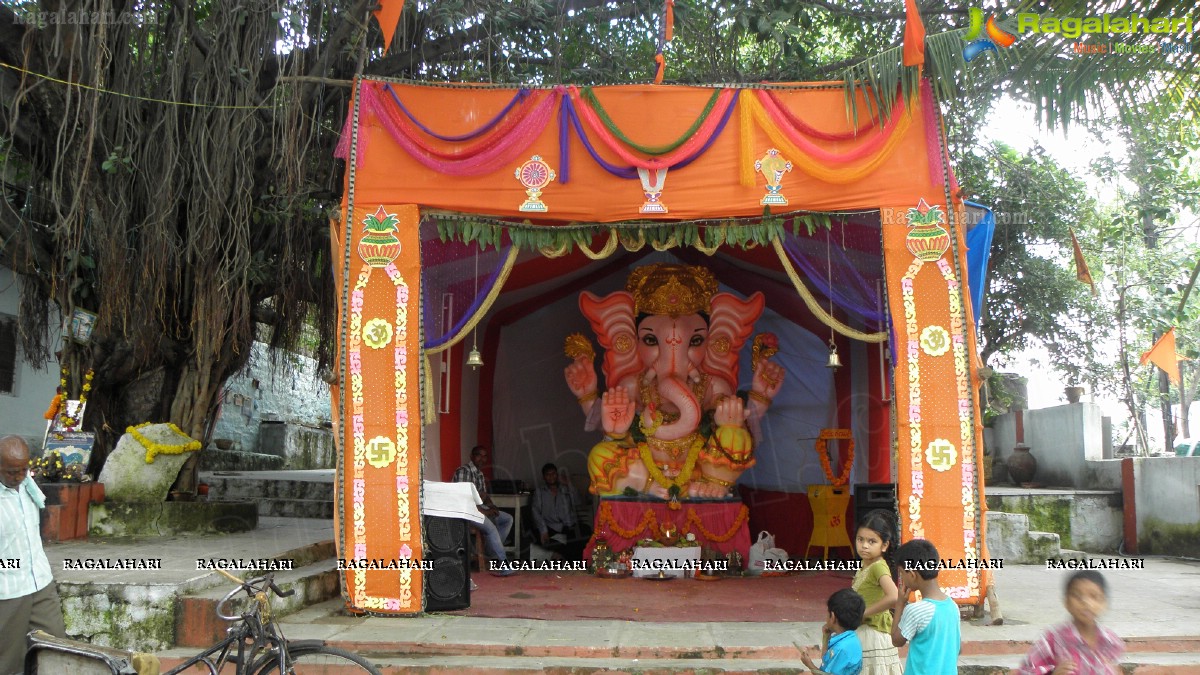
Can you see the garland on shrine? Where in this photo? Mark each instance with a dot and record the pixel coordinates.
(605, 519)
(154, 449)
(823, 452)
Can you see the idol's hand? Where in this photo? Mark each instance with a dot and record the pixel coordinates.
(730, 412)
(581, 378)
(768, 379)
(617, 410)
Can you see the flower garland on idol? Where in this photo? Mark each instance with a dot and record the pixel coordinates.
(58, 406)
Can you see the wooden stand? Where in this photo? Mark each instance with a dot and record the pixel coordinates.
(829, 506)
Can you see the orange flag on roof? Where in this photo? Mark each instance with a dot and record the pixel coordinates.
(388, 15)
(1081, 268)
(914, 35)
(1163, 355)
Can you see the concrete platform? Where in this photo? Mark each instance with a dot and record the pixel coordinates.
(1152, 608)
(142, 606)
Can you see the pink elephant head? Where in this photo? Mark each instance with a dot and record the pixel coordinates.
(671, 323)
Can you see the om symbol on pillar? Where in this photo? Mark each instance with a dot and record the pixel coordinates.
(675, 426)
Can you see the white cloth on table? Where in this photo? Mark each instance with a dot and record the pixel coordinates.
(452, 500)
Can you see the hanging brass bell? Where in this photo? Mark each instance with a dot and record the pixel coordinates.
(834, 361)
(474, 358)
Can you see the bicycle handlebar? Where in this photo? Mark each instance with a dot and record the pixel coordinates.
(252, 587)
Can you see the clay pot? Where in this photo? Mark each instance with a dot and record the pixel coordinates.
(1073, 394)
(1021, 464)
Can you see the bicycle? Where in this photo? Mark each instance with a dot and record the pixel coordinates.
(260, 646)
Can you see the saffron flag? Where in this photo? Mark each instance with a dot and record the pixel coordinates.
(914, 35)
(1163, 355)
(1081, 269)
(387, 13)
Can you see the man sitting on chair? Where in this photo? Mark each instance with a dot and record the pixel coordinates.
(497, 524)
(553, 508)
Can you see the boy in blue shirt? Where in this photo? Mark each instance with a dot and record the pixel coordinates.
(931, 623)
(843, 651)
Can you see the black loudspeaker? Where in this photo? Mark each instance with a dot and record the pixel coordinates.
(448, 584)
(871, 496)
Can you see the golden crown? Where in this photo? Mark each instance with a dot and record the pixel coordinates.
(673, 290)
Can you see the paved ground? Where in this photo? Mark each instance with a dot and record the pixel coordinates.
(1154, 609)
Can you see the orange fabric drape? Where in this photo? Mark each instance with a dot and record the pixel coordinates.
(710, 187)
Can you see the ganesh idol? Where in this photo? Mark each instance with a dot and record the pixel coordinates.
(675, 425)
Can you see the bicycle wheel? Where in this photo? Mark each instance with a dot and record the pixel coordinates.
(319, 660)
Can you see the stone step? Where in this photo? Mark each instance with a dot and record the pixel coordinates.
(232, 487)
(1010, 539)
(141, 609)
(196, 621)
(297, 508)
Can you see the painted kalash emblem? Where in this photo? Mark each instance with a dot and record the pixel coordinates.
(772, 166)
(927, 240)
(379, 246)
(535, 175)
(653, 191)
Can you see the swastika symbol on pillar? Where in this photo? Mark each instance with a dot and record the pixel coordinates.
(941, 454)
(381, 451)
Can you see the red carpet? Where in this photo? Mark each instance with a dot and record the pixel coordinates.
(567, 596)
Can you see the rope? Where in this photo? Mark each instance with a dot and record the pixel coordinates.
(132, 96)
(608, 249)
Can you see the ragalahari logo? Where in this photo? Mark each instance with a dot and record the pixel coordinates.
(996, 38)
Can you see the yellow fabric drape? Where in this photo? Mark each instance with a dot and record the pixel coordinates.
(750, 108)
(429, 409)
(815, 306)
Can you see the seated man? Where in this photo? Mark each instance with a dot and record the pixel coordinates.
(497, 524)
(553, 508)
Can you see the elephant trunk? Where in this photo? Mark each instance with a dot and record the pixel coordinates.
(675, 390)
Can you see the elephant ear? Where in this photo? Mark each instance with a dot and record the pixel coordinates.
(729, 324)
(612, 319)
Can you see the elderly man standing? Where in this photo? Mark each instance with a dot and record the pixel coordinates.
(497, 524)
(28, 596)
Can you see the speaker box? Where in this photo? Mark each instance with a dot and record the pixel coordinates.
(871, 496)
(448, 584)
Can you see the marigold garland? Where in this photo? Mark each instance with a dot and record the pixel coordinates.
(823, 453)
(649, 521)
(154, 449)
(685, 474)
(57, 404)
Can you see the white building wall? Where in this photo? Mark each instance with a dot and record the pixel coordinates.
(21, 412)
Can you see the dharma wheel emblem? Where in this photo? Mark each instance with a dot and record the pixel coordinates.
(535, 175)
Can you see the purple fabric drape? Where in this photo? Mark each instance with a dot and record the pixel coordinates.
(460, 286)
(568, 117)
(850, 291)
(520, 97)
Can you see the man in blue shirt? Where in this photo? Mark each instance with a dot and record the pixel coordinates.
(843, 652)
(28, 595)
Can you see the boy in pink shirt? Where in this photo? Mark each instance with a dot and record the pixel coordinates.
(1080, 646)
